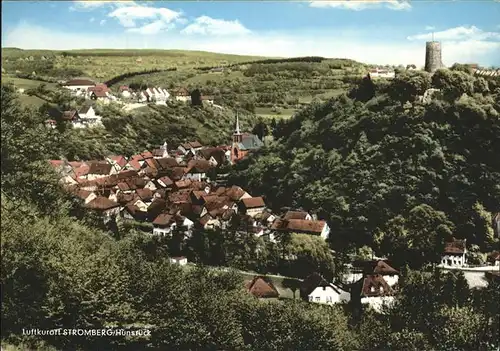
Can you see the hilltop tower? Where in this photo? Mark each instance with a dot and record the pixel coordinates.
(433, 56)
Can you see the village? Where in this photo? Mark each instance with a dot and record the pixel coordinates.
(180, 189)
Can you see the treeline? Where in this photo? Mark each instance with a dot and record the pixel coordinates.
(121, 77)
(309, 59)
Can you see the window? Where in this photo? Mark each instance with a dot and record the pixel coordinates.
(329, 299)
(311, 298)
(317, 299)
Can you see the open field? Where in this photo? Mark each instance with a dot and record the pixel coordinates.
(267, 112)
(106, 64)
(22, 83)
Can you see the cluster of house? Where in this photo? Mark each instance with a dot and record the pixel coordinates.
(84, 117)
(101, 92)
(173, 190)
(372, 283)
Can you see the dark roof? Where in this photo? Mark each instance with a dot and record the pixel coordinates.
(262, 287)
(85, 109)
(296, 215)
(181, 92)
(253, 202)
(101, 203)
(383, 268)
(217, 153)
(75, 82)
(167, 163)
(100, 168)
(145, 194)
(198, 166)
(455, 247)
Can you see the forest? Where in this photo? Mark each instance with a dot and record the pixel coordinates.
(386, 171)
(389, 172)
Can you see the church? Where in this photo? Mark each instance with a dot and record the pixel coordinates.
(243, 143)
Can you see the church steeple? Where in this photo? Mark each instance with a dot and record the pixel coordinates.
(237, 137)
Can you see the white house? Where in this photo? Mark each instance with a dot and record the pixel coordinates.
(496, 224)
(88, 116)
(375, 292)
(79, 85)
(455, 254)
(317, 289)
(182, 94)
(125, 91)
(182, 261)
(381, 73)
(164, 224)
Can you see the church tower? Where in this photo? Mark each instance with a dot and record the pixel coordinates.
(237, 137)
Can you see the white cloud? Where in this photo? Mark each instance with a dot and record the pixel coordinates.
(354, 46)
(430, 28)
(89, 5)
(102, 22)
(92, 19)
(153, 27)
(358, 5)
(129, 16)
(205, 25)
(458, 33)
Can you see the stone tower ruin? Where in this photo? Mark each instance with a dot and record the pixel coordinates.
(433, 56)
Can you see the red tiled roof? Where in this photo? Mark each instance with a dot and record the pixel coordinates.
(262, 287)
(455, 247)
(383, 268)
(379, 285)
(253, 202)
(299, 225)
(167, 181)
(167, 163)
(145, 194)
(120, 160)
(198, 166)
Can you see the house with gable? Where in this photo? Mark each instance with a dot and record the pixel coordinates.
(182, 94)
(302, 215)
(107, 208)
(99, 169)
(262, 287)
(374, 291)
(88, 115)
(455, 254)
(252, 206)
(317, 289)
(79, 84)
(125, 91)
(302, 226)
(197, 170)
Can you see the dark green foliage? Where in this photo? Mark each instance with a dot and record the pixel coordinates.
(121, 77)
(368, 171)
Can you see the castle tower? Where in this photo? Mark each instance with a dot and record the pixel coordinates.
(237, 137)
(433, 56)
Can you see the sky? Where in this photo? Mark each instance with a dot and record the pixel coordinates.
(370, 31)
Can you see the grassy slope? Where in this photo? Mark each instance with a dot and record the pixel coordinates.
(103, 64)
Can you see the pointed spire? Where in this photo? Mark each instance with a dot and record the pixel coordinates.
(237, 131)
